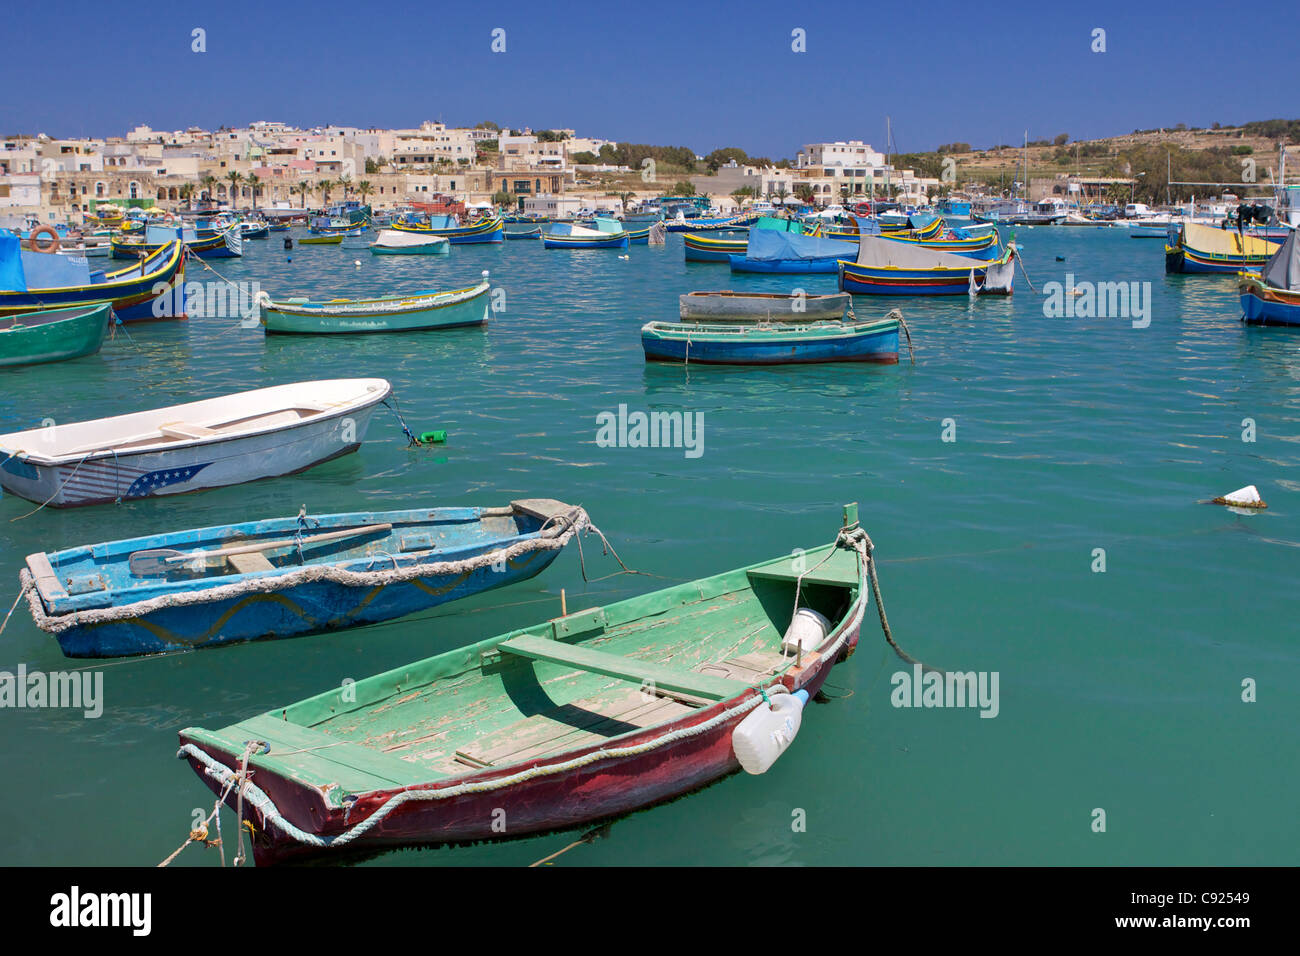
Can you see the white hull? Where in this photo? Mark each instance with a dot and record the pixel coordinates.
(278, 447)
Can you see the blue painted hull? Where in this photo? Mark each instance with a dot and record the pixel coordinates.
(274, 610)
(1260, 311)
(872, 346)
(552, 242)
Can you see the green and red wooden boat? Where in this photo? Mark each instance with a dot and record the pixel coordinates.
(53, 335)
(582, 718)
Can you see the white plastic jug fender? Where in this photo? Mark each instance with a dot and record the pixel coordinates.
(768, 730)
(808, 628)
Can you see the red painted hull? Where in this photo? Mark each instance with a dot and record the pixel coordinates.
(598, 791)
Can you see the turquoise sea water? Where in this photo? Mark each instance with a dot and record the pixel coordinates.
(1118, 690)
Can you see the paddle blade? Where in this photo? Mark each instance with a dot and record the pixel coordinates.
(148, 563)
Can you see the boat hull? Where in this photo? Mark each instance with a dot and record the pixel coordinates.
(429, 249)
(459, 309)
(877, 343)
(575, 787)
(132, 297)
(707, 249)
(76, 333)
(551, 241)
(106, 477)
(1261, 305)
(865, 280)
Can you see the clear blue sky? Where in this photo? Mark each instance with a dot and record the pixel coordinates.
(695, 74)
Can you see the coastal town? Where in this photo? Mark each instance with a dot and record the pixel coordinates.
(553, 173)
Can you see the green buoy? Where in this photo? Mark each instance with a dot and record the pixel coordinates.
(433, 438)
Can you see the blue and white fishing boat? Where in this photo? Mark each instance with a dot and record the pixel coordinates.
(210, 443)
(285, 577)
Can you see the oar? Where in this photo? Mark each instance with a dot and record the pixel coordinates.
(159, 560)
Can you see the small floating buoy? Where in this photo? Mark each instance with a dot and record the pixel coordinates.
(625, 257)
(288, 242)
(357, 263)
(1247, 497)
(433, 438)
(1060, 258)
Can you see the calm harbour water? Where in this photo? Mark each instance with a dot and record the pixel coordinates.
(1118, 690)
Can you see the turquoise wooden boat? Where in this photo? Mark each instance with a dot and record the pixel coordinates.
(564, 723)
(285, 576)
(785, 343)
(53, 335)
(564, 235)
(424, 310)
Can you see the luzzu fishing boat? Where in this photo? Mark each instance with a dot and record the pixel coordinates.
(329, 239)
(1205, 249)
(487, 229)
(1273, 296)
(712, 248)
(571, 721)
(884, 267)
(53, 335)
(212, 245)
(35, 280)
(784, 343)
(425, 310)
(285, 577)
(211, 443)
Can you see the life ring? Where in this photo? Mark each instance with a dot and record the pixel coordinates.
(33, 241)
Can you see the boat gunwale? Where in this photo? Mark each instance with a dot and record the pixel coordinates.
(419, 303)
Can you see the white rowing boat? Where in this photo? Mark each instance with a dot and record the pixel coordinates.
(206, 444)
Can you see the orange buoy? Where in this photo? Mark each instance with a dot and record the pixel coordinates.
(36, 245)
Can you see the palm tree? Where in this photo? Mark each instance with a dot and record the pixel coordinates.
(303, 188)
(781, 193)
(323, 187)
(186, 192)
(364, 189)
(235, 180)
(207, 182)
(346, 182)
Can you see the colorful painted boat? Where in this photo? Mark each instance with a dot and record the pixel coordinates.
(53, 335)
(728, 306)
(711, 248)
(575, 720)
(884, 267)
(775, 344)
(535, 233)
(426, 310)
(321, 240)
(254, 230)
(566, 235)
(219, 441)
(488, 229)
(286, 577)
(1273, 296)
(1206, 249)
(221, 245)
(789, 252)
(393, 242)
(30, 281)
(639, 237)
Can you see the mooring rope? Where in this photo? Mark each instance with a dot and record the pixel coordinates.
(58, 489)
(21, 591)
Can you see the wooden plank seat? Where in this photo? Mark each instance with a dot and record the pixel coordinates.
(248, 563)
(840, 569)
(185, 431)
(625, 668)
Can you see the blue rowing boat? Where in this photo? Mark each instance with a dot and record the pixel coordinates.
(776, 344)
(286, 576)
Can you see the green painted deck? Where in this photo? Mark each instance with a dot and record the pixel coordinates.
(554, 687)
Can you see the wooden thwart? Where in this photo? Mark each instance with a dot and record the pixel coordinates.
(624, 668)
